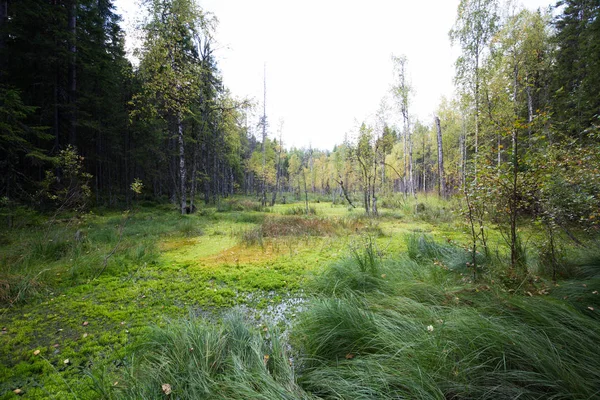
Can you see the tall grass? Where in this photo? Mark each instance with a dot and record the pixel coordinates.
(461, 343)
(69, 251)
(200, 360)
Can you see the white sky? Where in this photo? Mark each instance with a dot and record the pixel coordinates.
(328, 62)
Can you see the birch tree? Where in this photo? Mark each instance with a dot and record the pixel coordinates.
(402, 91)
(476, 23)
(170, 69)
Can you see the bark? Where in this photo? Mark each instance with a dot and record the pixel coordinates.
(441, 173)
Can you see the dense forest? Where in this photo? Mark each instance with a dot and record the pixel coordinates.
(141, 201)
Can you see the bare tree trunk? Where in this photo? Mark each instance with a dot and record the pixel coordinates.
(411, 177)
(405, 160)
(441, 173)
(424, 169)
(373, 196)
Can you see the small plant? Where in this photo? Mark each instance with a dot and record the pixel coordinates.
(137, 186)
(253, 237)
(367, 257)
(189, 227)
(67, 185)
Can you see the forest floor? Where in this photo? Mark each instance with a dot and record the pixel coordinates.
(79, 293)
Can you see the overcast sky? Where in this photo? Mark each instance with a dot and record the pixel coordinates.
(328, 62)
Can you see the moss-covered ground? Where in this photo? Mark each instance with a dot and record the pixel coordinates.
(79, 292)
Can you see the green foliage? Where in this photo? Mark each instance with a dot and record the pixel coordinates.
(69, 187)
(367, 256)
(137, 186)
(576, 77)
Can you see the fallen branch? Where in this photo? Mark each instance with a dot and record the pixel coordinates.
(341, 183)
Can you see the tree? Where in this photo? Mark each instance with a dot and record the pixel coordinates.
(171, 70)
(577, 68)
(401, 92)
(364, 154)
(476, 23)
(441, 173)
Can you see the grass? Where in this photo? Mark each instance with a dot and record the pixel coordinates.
(195, 359)
(124, 297)
(466, 341)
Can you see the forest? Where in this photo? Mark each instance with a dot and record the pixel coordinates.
(158, 240)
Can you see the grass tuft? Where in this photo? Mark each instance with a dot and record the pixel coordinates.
(201, 360)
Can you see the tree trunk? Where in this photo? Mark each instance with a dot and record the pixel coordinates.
(373, 196)
(441, 173)
(72, 27)
(194, 176)
(277, 174)
(3, 21)
(513, 201)
(411, 177)
(529, 110)
(181, 164)
(263, 199)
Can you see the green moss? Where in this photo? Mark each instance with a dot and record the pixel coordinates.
(96, 297)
